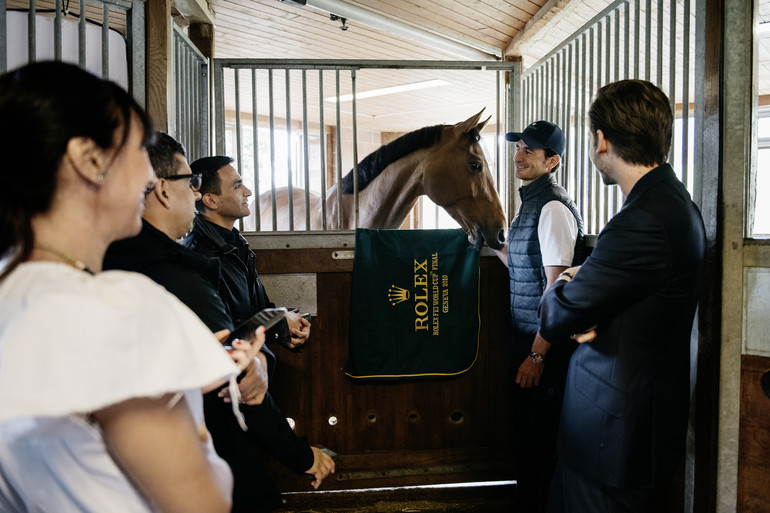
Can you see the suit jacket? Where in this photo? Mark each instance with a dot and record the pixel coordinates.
(625, 410)
(194, 279)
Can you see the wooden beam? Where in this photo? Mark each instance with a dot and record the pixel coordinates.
(195, 11)
(159, 62)
(202, 36)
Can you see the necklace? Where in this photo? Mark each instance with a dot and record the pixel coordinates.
(74, 262)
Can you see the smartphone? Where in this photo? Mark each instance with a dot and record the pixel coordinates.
(268, 318)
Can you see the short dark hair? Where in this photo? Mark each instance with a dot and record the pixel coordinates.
(162, 151)
(550, 153)
(636, 117)
(208, 168)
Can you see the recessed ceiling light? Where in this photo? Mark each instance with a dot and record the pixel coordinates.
(390, 90)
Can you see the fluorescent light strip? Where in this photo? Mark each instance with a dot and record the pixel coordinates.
(390, 90)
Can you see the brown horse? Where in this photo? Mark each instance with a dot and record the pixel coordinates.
(444, 162)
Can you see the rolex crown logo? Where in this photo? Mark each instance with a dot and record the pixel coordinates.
(397, 295)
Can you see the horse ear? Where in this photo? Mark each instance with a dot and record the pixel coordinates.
(481, 125)
(469, 124)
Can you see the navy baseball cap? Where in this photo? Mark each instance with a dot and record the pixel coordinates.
(541, 135)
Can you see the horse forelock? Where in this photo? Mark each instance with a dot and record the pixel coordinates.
(374, 163)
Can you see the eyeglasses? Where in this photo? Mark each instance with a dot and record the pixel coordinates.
(195, 180)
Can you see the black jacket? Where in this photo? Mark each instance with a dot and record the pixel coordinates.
(194, 279)
(190, 276)
(240, 288)
(624, 418)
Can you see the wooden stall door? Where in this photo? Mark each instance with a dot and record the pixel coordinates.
(458, 429)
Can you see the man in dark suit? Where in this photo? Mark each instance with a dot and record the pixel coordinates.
(624, 419)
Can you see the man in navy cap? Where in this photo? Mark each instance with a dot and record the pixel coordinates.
(545, 238)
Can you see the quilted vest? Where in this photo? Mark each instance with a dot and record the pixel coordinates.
(525, 262)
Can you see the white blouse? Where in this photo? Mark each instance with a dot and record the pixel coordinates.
(71, 344)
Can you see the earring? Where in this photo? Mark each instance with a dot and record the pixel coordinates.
(100, 178)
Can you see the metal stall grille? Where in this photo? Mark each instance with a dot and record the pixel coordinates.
(644, 39)
(107, 37)
(303, 124)
(191, 97)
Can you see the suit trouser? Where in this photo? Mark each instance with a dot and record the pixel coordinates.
(572, 492)
(538, 410)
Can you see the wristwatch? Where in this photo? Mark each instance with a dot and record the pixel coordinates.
(538, 358)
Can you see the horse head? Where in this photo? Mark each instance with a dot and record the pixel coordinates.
(456, 177)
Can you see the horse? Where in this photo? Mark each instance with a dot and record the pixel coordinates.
(444, 162)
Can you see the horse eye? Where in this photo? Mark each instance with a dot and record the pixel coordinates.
(476, 166)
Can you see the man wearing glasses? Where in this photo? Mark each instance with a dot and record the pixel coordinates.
(168, 216)
(197, 280)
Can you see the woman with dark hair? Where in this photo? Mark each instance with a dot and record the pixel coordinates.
(100, 372)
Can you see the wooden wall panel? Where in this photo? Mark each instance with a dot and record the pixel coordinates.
(388, 433)
(754, 441)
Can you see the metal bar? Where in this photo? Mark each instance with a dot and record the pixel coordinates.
(700, 60)
(3, 37)
(238, 139)
(637, 17)
(605, 191)
(686, 93)
(57, 31)
(176, 59)
(578, 33)
(343, 64)
(189, 100)
(564, 113)
(136, 33)
(498, 118)
(556, 87)
(647, 40)
(289, 160)
(255, 144)
(219, 108)
(206, 107)
(541, 107)
(105, 41)
(355, 147)
(514, 120)
(180, 101)
(599, 53)
(672, 71)
(570, 126)
(338, 160)
(548, 79)
(617, 47)
(583, 191)
(525, 106)
(272, 149)
(322, 135)
(82, 34)
(591, 188)
(306, 146)
(534, 94)
(626, 40)
(659, 44)
(31, 31)
(122, 4)
(537, 98)
(608, 53)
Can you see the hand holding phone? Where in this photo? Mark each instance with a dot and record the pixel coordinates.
(268, 318)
